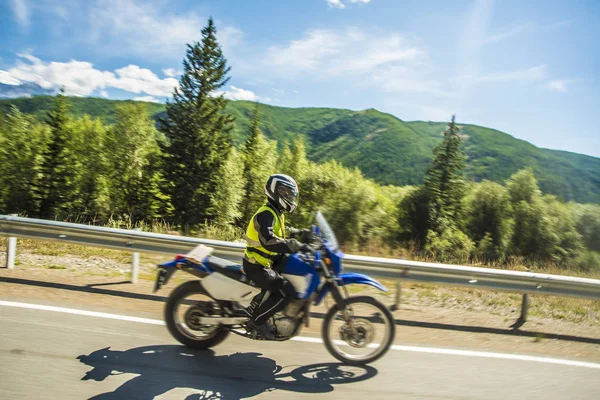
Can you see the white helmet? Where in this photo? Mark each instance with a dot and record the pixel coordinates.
(283, 191)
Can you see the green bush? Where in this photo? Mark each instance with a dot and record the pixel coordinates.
(451, 245)
(488, 215)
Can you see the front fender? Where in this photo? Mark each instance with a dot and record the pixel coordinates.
(347, 279)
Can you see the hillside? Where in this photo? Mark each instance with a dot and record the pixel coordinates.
(385, 148)
(95, 107)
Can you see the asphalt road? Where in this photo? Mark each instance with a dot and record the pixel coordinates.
(55, 355)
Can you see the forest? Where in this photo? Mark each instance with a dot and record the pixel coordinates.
(196, 169)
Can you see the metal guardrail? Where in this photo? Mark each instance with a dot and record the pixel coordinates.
(136, 241)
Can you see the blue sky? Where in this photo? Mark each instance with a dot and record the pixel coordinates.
(530, 69)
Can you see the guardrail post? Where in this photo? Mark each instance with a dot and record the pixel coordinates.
(524, 307)
(396, 305)
(135, 264)
(523, 317)
(11, 252)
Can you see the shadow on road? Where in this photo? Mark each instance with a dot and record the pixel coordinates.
(163, 368)
(401, 322)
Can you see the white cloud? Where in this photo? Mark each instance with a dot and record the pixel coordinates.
(434, 113)
(61, 11)
(229, 37)
(80, 78)
(171, 72)
(560, 85)
(339, 3)
(388, 60)
(149, 28)
(352, 51)
(507, 34)
(307, 53)
(8, 79)
(235, 93)
(335, 4)
(148, 99)
(529, 75)
(141, 80)
(558, 24)
(104, 93)
(21, 11)
(403, 79)
(470, 43)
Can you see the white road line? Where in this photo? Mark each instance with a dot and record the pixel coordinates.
(415, 349)
(81, 312)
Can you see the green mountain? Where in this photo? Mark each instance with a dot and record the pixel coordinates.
(95, 107)
(385, 148)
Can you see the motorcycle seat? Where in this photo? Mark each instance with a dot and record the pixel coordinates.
(227, 268)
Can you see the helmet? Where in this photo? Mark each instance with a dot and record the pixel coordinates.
(283, 191)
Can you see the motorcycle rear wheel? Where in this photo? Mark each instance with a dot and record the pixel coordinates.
(203, 338)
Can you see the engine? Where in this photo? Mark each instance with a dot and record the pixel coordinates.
(287, 321)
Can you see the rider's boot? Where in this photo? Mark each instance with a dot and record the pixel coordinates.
(262, 331)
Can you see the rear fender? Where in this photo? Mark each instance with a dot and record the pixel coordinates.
(167, 269)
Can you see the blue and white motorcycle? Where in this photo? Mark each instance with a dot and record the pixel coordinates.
(202, 313)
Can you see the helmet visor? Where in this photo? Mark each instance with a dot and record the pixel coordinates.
(289, 195)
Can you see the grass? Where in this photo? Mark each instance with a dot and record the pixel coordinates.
(54, 266)
(497, 303)
(428, 294)
(538, 337)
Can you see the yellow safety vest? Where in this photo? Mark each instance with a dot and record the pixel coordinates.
(255, 252)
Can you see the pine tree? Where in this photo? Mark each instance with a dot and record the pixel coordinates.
(197, 131)
(444, 183)
(228, 197)
(90, 186)
(134, 159)
(295, 164)
(22, 140)
(259, 157)
(54, 187)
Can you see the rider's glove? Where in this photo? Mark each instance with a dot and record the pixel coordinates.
(303, 235)
(306, 249)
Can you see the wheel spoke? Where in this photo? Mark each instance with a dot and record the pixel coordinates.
(361, 333)
(188, 312)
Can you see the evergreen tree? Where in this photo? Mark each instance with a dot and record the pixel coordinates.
(259, 157)
(294, 163)
(588, 224)
(55, 180)
(285, 162)
(444, 183)
(90, 183)
(134, 157)
(413, 217)
(22, 140)
(228, 197)
(197, 130)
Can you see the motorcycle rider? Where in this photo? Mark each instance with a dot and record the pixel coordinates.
(266, 248)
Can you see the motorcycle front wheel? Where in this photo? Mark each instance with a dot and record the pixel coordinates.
(359, 333)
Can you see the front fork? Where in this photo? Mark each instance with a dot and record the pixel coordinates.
(339, 297)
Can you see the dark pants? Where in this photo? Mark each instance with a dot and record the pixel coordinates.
(281, 290)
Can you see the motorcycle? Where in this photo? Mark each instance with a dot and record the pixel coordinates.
(202, 313)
